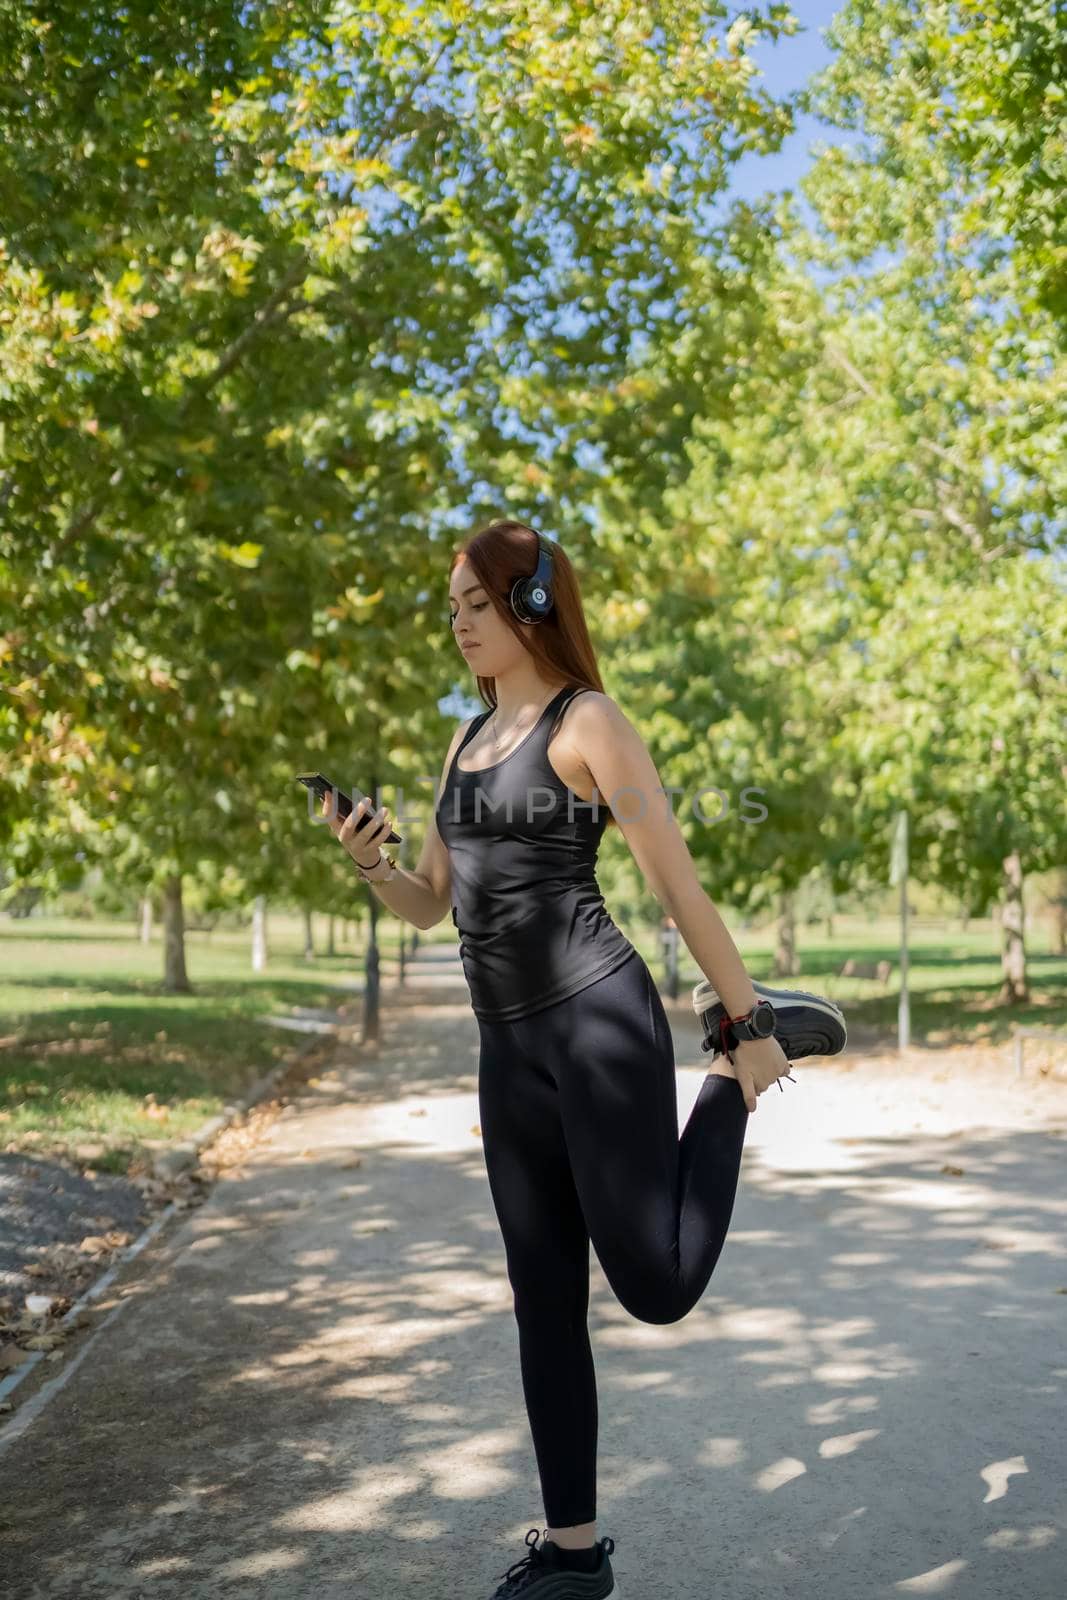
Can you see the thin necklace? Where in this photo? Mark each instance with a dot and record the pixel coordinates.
(548, 702)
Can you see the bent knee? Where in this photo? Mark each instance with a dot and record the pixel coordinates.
(659, 1308)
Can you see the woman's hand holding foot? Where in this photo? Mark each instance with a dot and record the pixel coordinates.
(756, 1064)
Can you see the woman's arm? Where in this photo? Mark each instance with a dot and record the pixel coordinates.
(424, 896)
(626, 778)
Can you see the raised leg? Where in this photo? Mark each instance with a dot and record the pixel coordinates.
(657, 1206)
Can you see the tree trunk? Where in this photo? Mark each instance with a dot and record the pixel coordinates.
(1059, 915)
(175, 979)
(785, 956)
(1013, 989)
(259, 933)
(309, 942)
(146, 919)
(331, 947)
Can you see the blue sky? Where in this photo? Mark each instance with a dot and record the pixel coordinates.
(786, 65)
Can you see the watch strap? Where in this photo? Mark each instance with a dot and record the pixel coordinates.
(740, 1028)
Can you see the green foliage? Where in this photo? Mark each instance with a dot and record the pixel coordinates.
(278, 295)
(962, 106)
(847, 590)
(291, 295)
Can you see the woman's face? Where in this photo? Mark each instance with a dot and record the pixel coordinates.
(492, 647)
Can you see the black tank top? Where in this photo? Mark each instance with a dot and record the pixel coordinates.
(522, 850)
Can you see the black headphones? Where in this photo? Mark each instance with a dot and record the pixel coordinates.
(531, 598)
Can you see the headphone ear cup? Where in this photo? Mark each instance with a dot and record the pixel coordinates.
(531, 598)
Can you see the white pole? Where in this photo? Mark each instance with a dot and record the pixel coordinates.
(259, 933)
(898, 873)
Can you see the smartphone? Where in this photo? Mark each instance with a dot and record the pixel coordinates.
(321, 786)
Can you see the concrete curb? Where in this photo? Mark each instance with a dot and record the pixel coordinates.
(168, 1164)
(178, 1158)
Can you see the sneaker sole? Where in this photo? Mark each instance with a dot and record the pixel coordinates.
(804, 1024)
(577, 1586)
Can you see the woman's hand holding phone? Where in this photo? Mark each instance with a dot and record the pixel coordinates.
(370, 835)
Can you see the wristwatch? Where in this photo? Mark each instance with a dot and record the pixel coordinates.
(757, 1023)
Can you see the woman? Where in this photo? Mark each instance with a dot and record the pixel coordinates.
(576, 1071)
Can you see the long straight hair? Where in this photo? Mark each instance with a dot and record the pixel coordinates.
(560, 645)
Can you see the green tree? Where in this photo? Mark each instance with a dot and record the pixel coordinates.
(283, 287)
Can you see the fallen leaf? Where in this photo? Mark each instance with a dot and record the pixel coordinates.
(95, 1244)
(46, 1341)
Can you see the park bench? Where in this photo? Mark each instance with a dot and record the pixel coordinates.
(1021, 1033)
(881, 970)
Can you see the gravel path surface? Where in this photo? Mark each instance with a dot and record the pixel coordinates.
(44, 1205)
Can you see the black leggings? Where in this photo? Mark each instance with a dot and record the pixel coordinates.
(580, 1129)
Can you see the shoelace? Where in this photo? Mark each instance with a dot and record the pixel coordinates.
(517, 1574)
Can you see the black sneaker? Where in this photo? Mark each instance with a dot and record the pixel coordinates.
(539, 1575)
(804, 1024)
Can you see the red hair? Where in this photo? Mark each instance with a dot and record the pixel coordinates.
(560, 645)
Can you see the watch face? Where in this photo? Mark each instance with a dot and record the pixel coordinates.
(763, 1020)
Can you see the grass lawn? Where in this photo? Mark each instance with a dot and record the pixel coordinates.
(96, 1063)
(953, 976)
